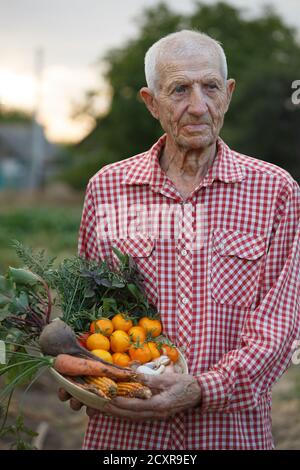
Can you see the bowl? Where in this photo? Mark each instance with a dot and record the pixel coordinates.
(90, 399)
(84, 396)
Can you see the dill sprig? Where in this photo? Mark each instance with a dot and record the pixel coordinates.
(37, 262)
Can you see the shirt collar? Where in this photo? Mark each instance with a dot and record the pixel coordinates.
(147, 169)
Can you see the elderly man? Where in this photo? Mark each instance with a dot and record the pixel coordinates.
(224, 275)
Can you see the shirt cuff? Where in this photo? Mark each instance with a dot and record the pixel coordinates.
(213, 391)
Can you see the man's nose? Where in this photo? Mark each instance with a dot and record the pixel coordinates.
(197, 105)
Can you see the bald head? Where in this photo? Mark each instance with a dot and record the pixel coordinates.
(180, 45)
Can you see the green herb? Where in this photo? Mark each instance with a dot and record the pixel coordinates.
(20, 434)
(37, 262)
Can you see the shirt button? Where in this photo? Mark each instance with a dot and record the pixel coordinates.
(184, 252)
(185, 300)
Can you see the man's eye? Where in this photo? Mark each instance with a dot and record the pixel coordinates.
(179, 89)
(211, 86)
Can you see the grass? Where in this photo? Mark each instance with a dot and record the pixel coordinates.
(54, 229)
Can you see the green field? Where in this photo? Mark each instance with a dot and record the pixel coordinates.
(54, 229)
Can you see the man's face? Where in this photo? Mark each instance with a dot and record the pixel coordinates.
(191, 100)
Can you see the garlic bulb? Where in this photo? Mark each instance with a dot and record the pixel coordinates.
(162, 360)
(147, 370)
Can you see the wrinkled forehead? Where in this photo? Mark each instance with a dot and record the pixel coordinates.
(170, 65)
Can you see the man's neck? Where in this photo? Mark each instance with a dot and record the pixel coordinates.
(185, 164)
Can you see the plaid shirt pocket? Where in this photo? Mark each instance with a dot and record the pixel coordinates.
(235, 266)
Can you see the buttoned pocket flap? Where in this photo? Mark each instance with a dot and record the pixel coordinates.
(235, 243)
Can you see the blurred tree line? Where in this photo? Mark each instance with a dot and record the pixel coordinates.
(14, 116)
(263, 56)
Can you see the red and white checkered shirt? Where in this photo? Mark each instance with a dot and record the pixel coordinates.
(222, 267)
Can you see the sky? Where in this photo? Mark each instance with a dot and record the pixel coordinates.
(73, 35)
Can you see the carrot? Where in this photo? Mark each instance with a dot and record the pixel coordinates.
(74, 366)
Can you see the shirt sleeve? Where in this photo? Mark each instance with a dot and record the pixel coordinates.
(87, 241)
(238, 380)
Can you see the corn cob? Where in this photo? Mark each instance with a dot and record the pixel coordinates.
(133, 390)
(106, 385)
(90, 388)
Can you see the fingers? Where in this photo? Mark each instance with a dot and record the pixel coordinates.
(157, 402)
(159, 382)
(91, 412)
(150, 380)
(63, 395)
(75, 404)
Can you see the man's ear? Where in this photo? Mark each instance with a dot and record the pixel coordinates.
(230, 86)
(150, 101)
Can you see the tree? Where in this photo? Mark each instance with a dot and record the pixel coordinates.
(263, 56)
(12, 116)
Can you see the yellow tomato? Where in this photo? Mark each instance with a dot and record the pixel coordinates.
(103, 325)
(119, 341)
(151, 326)
(137, 333)
(121, 322)
(97, 341)
(121, 359)
(105, 355)
(154, 350)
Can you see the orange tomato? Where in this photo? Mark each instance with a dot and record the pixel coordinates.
(140, 353)
(121, 359)
(154, 350)
(119, 341)
(171, 352)
(105, 355)
(121, 322)
(97, 341)
(103, 325)
(137, 333)
(151, 326)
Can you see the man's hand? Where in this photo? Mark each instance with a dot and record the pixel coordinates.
(173, 393)
(75, 404)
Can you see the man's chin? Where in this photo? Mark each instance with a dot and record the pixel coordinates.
(196, 142)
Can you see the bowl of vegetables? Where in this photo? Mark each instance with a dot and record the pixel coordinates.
(117, 351)
(106, 332)
(96, 391)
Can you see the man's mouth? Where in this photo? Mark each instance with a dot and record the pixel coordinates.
(196, 127)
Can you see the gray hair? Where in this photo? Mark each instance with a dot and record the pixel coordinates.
(185, 42)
